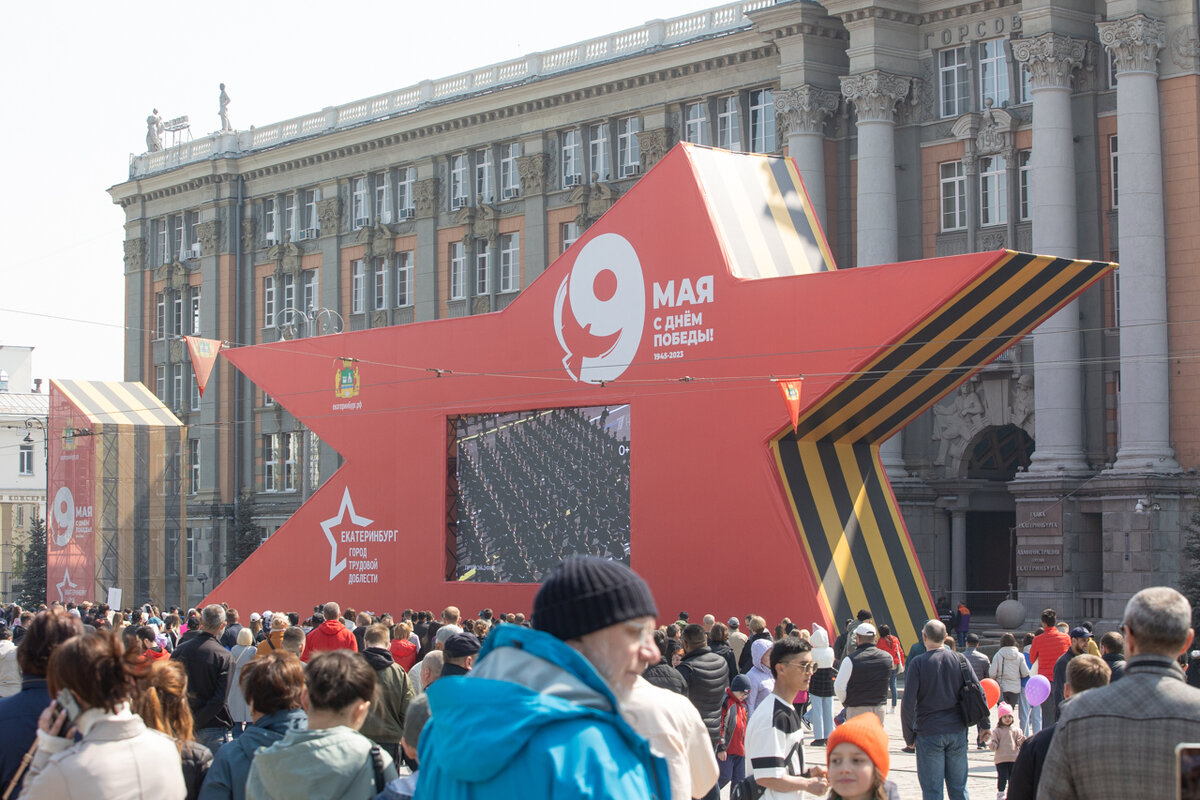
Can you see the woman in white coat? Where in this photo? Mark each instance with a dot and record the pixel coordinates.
(243, 652)
(1008, 669)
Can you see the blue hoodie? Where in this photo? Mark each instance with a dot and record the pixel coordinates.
(231, 766)
(533, 719)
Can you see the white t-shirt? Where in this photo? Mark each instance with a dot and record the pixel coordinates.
(676, 732)
(774, 738)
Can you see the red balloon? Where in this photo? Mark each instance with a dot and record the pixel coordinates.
(991, 690)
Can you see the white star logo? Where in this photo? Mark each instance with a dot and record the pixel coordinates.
(66, 581)
(328, 525)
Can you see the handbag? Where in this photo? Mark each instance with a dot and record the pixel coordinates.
(746, 789)
(972, 702)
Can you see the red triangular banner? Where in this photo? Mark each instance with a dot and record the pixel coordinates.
(204, 356)
(791, 398)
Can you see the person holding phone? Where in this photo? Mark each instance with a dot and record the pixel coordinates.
(90, 682)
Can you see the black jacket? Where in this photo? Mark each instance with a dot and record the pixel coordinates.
(870, 677)
(726, 652)
(1027, 769)
(746, 662)
(1116, 662)
(229, 637)
(207, 664)
(664, 676)
(195, 759)
(707, 676)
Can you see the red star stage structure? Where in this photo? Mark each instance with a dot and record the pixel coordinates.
(626, 403)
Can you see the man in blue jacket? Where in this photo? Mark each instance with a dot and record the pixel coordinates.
(539, 712)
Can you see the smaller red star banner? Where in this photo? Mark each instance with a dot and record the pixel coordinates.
(790, 390)
(204, 355)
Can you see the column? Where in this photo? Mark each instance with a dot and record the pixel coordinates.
(958, 555)
(1051, 60)
(875, 94)
(801, 114)
(1144, 412)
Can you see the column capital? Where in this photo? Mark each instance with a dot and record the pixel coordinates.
(875, 94)
(804, 109)
(1050, 58)
(1135, 41)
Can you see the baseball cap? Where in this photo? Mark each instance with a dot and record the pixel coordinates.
(461, 645)
(1080, 632)
(865, 629)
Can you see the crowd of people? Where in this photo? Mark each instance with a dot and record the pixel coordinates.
(535, 487)
(588, 697)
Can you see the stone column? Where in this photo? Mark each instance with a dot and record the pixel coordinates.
(1144, 413)
(801, 114)
(875, 94)
(958, 555)
(1051, 60)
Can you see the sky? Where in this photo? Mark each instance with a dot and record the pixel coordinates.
(80, 79)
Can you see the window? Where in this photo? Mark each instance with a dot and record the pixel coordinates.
(993, 190)
(189, 553)
(160, 316)
(289, 215)
(598, 151)
(193, 391)
(629, 152)
(952, 67)
(268, 401)
(404, 191)
(177, 386)
(695, 126)
(1023, 159)
(1026, 89)
(160, 382)
(180, 248)
(190, 220)
(383, 196)
(164, 243)
(1111, 69)
(381, 267)
(570, 167)
(993, 73)
(194, 303)
(358, 202)
(194, 463)
(458, 181)
(177, 314)
(270, 462)
(510, 261)
(358, 286)
(404, 275)
(954, 196)
(269, 301)
(25, 465)
(314, 460)
(311, 221)
(484, 182)
(270, 221)
(1112, 167)
(570, 232)
(729, 133)
(310, 290)
(510, 179)
(289, 461)
(481, 267)
(762, 121)
(458, 271)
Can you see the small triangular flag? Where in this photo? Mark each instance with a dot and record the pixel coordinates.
(790, 390)
(204, 356)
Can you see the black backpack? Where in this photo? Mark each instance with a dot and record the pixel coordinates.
(972, 702)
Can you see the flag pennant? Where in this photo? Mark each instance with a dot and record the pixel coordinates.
(204, 356)
(790, 390)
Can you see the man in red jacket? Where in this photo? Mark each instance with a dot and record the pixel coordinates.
(1045, 652)
(330, 634)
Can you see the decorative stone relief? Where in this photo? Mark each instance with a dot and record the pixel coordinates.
(1135, 42)
(653, 145)
(533, 170)
(287, 257)
(594, 199)
(425, 195)
(481, 304)
(329, 212)
(175, 351)
(804, 109)
(912, 110)
(1185, 46)
(378, 239)
(875, 94)
(174, 276)
(957, 422)
(1022, 412)
(249, 237)
(135, 255)
(1051, 59)
(379, 319)
(984, 134)
(487, 222)
(208, 233)
(928, 95)
(994, 240)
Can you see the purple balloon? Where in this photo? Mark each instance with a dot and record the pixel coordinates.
(1037, 690)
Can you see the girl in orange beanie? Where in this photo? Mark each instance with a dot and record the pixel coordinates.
(858, 761)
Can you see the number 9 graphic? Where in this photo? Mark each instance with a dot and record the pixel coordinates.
(600, 310)
(64, 516)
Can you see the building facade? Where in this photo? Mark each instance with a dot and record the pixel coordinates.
(1063, 472)
(24, 414)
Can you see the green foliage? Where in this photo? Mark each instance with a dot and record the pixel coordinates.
(246, 535)
(30, 583)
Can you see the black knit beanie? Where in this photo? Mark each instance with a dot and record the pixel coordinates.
(585, 593)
